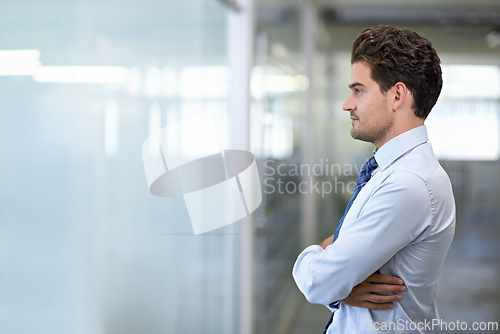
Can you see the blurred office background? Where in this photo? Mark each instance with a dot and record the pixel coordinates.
(86, 249)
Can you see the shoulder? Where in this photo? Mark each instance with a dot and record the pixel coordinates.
(406, 185)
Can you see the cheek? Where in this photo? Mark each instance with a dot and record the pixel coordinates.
(382, 109)
(369, 110)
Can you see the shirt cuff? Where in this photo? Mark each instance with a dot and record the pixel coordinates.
(313, 249)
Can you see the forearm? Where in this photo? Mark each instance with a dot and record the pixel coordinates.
(319, 282)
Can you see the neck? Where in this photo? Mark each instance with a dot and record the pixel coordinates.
(399, 128)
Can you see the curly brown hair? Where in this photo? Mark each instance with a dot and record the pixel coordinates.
(401, 55)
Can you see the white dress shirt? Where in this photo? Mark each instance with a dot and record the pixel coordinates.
(402, 224)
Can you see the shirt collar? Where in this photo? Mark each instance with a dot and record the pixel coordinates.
(399, 145)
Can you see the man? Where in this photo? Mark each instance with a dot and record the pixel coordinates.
(379, 272)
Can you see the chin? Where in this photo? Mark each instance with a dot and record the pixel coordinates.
(360, 136)
(355, 134)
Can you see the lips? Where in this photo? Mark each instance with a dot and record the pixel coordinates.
(354, 119)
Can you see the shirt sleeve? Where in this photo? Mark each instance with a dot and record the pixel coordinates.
(397, 212)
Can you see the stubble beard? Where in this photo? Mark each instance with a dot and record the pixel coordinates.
(373, 134)
(367, 136)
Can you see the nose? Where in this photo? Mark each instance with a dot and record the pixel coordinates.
(349, 104)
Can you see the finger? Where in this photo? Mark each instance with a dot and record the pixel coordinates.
(385, 279)
(385, 288)
(381, 299)
(375, 306)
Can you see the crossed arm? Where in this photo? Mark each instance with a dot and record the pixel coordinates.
(367, 294)
(343, 271)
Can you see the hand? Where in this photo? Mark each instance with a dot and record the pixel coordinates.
(366, 293)
(327, 242)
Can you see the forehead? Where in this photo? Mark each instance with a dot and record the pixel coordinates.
(361, 73)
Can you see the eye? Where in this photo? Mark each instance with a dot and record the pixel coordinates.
(357, 91)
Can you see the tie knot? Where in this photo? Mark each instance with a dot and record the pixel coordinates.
(371, 165)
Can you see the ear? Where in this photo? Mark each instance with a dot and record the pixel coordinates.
(400, 93)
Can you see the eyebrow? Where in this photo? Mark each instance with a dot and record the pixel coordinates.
(355, 84)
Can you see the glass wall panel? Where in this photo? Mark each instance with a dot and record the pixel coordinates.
(282, 79)
(84, 246)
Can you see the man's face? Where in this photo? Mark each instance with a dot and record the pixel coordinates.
(371, 114)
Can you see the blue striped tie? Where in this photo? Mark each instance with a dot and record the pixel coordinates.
(364, 176)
